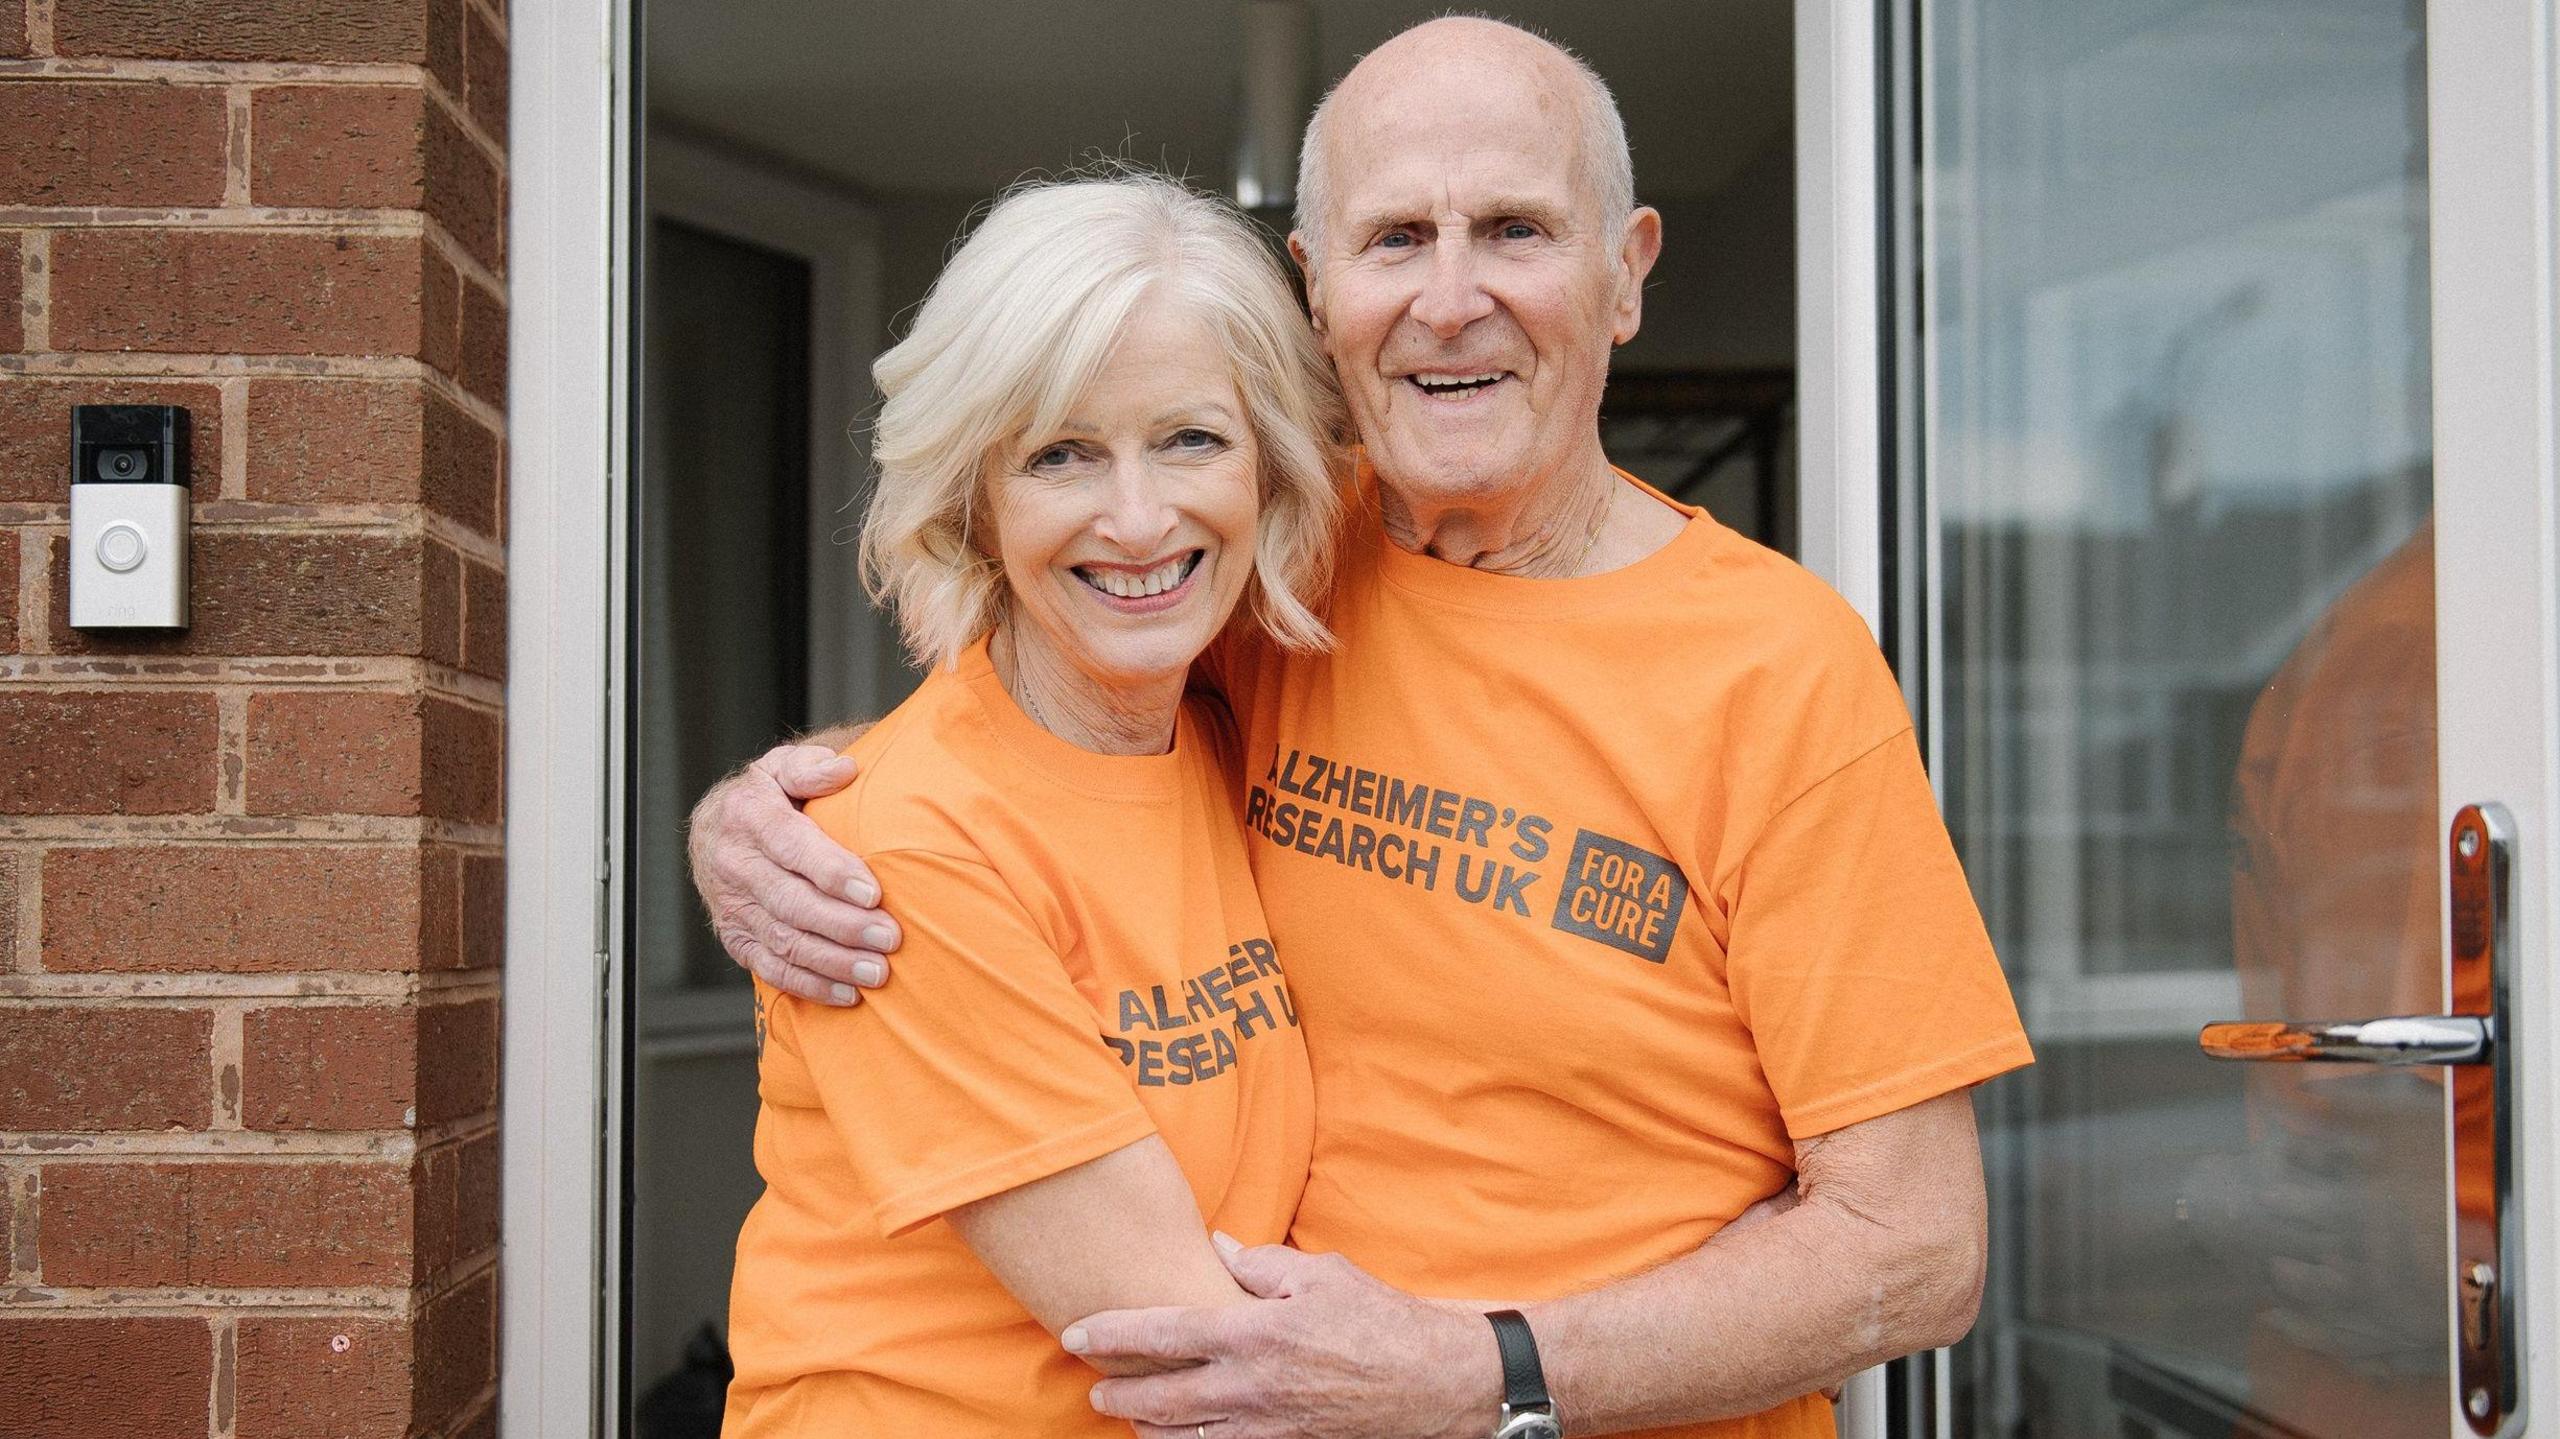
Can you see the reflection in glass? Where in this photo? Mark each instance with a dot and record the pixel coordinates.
(2176, 437)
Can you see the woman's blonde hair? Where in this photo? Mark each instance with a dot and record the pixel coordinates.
(1022, 320)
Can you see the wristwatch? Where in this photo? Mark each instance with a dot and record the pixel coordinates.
(1527, 1410)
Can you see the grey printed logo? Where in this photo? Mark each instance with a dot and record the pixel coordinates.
(1622, 896)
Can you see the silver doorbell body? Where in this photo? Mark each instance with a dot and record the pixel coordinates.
(129, 517)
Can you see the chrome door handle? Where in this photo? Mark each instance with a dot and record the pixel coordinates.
(2401, 1040)
(2479, 1096)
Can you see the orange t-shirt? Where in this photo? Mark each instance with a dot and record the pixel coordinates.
(1085, 964)
(1595, 893)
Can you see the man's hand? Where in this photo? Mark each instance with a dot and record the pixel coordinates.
(1331, 1354)
(788, 902)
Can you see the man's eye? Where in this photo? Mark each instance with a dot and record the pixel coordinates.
(1519, 230)
(1396, 240)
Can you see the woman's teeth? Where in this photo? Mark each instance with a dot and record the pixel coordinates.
(1156, 581)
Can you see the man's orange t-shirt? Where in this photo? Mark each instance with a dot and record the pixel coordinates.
(1085, 964)
(1595, 894)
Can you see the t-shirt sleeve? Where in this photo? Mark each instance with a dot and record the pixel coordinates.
(979, 1069)
(1856, 956)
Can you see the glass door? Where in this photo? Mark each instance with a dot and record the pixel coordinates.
(2182, 517)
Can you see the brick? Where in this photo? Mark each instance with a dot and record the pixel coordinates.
(35, 431)
(238, 909)
(462, 188)
(87, 1067)
(84, 752)
(276, 594)
(440, 909)
(486, 59)
(484, 621)
(335, 441)
(228, 1222)
(308, 31)
(235, 292)
(13, 331)
(440, 618)
(333, 1067)
(484, 911)
(447, 35)
(464, 762)
(440, 313)
(68, 143)
(8, 603)
(83, 1378)
(460, 461)
(457, 1060)
(457, 1203)
(335, 752)
(13, 30)
(484, 344)
(347, 1377)
(457, 1347)
(351, 147)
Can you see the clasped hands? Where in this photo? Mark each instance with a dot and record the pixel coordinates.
(1329, 1351)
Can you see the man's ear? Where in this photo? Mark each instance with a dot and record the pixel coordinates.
(1636, 254)
(1306, 259)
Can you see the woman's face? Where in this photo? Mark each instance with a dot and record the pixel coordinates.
(1127, 534)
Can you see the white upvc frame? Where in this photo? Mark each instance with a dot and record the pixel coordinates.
(569, 66)
(2495, 270)
(1840, 330)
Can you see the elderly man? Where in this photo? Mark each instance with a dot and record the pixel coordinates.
(1599, 856)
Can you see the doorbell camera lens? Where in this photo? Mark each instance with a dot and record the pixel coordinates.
(129, 445)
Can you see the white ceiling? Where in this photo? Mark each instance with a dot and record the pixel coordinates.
(964, 96)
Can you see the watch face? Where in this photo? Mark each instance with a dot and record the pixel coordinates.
(1529, 1426)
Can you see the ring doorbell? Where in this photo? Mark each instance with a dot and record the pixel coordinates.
(128, 517)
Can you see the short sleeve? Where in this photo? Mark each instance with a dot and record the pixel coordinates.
(1856, 957)
(979, 1069)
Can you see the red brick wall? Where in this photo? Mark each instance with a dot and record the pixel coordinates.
(249, 875)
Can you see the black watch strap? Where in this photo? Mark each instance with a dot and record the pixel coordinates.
(1524, 1381)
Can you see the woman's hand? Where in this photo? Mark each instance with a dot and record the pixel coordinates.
(789, 903)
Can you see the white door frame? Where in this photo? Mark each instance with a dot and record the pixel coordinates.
(2493, 268)
(569, 460)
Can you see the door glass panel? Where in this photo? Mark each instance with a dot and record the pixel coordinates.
(2174, 401)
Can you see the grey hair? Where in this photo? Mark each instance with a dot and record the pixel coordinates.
(1025, 315)
(1605, 156)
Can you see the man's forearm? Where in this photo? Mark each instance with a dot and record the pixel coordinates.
(1762, 1314)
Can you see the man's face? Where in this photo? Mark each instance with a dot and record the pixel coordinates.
(1468, 289)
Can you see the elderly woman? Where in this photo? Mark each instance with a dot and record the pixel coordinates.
(1106, 439)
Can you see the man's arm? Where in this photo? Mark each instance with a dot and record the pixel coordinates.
(1882, 1256)
(789, 903)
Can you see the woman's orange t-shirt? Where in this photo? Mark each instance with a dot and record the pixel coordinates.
(1087, 964)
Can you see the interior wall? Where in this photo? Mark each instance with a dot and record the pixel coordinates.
(1724, 294)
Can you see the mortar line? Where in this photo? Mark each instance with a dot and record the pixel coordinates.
(35, 591)
(35, 294)
(235, 438)
(40, 27)
(231, 751)
(230, 1045)
(235, 184)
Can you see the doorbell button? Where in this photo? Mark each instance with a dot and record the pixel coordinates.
(121, 548)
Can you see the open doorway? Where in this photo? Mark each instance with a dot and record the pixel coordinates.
(809, 164)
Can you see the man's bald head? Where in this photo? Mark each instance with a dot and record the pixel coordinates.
(1472, 53)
